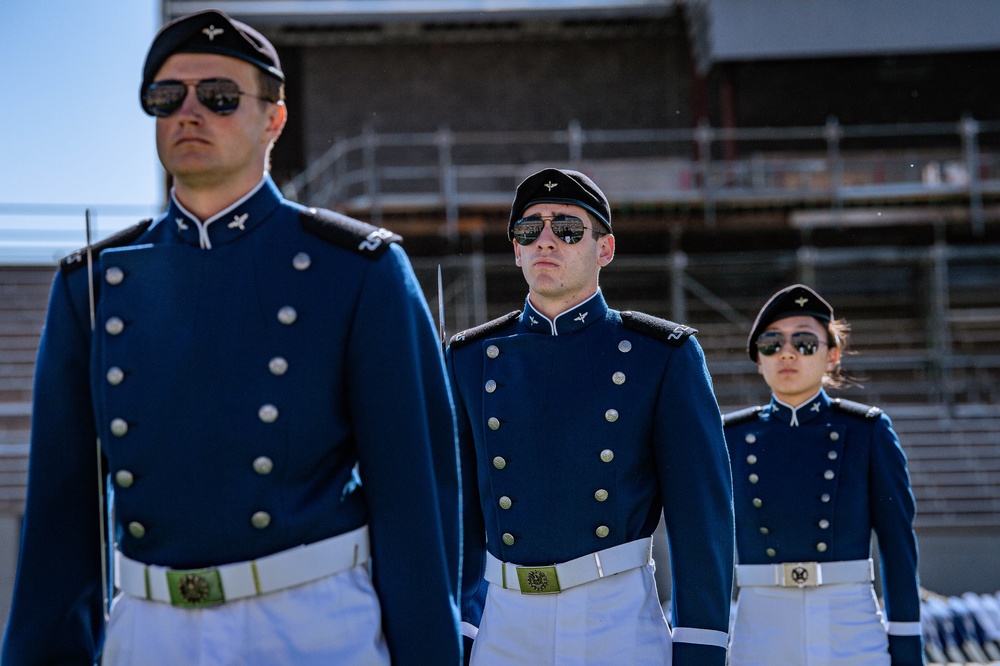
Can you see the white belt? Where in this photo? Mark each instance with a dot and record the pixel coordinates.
(559, 577)
(804, 574)
(239, 580)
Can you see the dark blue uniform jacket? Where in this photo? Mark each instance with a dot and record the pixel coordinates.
(301, 337)
(810, 485)
(551, 412)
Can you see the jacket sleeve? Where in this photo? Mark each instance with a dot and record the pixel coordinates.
(405, 429)
(474, 586)
(696, 479)
(56, 614)
(893, 509)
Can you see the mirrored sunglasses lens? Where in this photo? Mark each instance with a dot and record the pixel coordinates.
(527, 230)
(219, 95)
(769, 343)
(805, 343)
(163, 98)
(568, 229)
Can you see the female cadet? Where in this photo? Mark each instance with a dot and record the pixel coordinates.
(813, 476)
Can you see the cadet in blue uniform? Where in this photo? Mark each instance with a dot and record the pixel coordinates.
(272, 406)
(813, 476)
(578, 426)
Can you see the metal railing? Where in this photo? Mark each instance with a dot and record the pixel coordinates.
(831, 165)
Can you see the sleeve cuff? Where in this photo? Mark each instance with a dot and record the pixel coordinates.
(904, 629)
(701, 636)
(469, 631)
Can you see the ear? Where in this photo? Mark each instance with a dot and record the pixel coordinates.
(832, 358)
(276, 119)
(605, 250)
(517, 253)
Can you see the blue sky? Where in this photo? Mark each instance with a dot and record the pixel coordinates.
(73, 135)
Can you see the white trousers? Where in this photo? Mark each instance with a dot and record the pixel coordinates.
(335, 620)
(830, 625)
(615, 620)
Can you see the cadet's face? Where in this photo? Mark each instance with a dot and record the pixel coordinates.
(792, 376)
(204, 149)
(560, 275)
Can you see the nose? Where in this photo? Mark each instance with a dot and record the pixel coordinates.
(547, 238)
(190, 106)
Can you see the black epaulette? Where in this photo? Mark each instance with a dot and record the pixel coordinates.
(75, 260)
(654, 327)
(856, 408)
(472, 334)
(347, 232)
(742, 416)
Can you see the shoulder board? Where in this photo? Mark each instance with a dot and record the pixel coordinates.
(855, 408)
(472, 334)
(76, 259)
(742, 416)
(654, 327)
(347, 232)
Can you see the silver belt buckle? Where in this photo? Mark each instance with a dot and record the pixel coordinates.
(800, 574)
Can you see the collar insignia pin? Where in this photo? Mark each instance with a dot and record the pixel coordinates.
(533, 320)
(580, 317)
(238, 221)
(802, 301)
(549, 185)
(181, 226)
(815, 407)
(212, 32)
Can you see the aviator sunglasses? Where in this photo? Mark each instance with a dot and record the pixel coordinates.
(803, 342)
(221, 96)
(567, 228)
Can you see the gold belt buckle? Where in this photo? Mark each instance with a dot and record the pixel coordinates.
(195, 588)
(800, 574)
(538, 580)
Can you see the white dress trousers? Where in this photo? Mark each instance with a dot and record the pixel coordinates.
(335, 620)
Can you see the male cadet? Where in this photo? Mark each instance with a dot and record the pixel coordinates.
(267, 386)
(578, 425)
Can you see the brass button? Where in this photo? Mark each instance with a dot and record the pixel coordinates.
(771, 552)
(764, 530)
(136, 529)
(825, 497)
(493, 423)
(278, 366)
(618, 378)
(119, 427)
(287, 315)
(601, 495)
(751, 459)
(832, 455)
(268, 413)
(260, 520)
(824, 524)
(124, 478)
(754, 478)
(492, 351)
(834, 436)
(491, 386)
(624, 346)
(758, 502)
(821, 547)
(508, 538)
(602, 531)
(750, 438)
(607, 455)
(114, 325)
(611, 415)
(301, 261)
(263, 465)
(115, 375)
(114, 275)
(828, 474)
(505, 502)
(499, 462)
